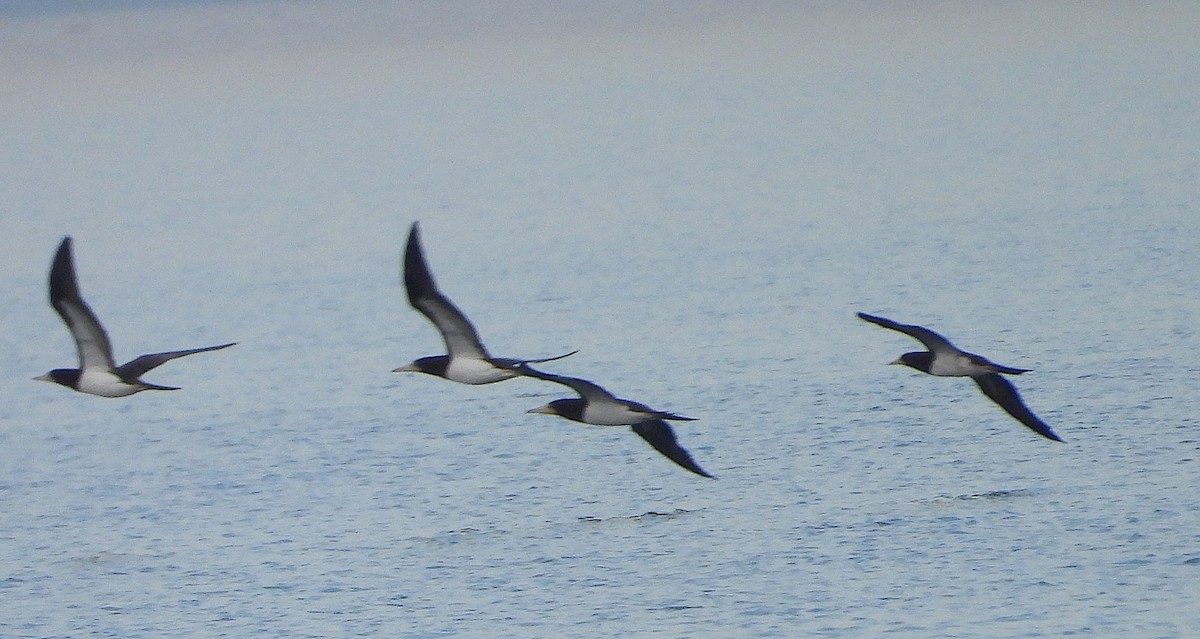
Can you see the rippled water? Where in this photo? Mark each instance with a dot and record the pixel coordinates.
(699, 198)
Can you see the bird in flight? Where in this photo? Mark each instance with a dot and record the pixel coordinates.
(598, 406)
(466, 360)
(943, 359)
(98, 374)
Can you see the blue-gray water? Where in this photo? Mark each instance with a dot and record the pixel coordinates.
(699, 196)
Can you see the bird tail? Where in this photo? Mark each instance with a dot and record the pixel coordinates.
(147, 386)
(673, 416)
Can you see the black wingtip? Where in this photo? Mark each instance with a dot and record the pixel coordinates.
(875, 319)
(418, 281)
(62, 273)
(1005, 395)
(64, 251)
(414, 233)
(662, 438)
(413, 243)
(1044, 430)
(1035, 424)
(543, 360)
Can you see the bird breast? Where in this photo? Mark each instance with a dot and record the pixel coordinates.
(959, 365)
(613, 414)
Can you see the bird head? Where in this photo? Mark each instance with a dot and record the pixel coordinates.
(920, 361)
(64, 376)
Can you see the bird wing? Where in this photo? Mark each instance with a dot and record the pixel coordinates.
(596, 396)
(514, 364)
(659, 435)
(95, 351)
(136, 368)
(423, 294)
(934, 342)
(587, 390)
(1002, 392)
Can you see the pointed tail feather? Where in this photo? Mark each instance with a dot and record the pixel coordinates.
(147, 386)
(674, 417)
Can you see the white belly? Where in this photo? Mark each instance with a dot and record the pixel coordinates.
(614, 415)
(955, 366)
(475, 371)
(105, 384)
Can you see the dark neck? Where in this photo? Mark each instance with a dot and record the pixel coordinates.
(434, 365)
(66, 376)
(570, 408)
(920, 361)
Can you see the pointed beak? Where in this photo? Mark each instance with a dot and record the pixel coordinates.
(896, 362)
(544, 410)
(407, 368)
(44, 378)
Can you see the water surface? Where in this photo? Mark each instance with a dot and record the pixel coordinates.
(699, 197)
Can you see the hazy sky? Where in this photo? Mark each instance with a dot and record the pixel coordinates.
(181, 42)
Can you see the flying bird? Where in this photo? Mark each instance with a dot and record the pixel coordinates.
(98, 374)
(598, 406)
(466, 360)
(944, 360)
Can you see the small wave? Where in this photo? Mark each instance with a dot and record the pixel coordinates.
(991, 495)
(646, 516)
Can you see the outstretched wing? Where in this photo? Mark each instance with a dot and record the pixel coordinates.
(95, 351)
(934, 342)
(587, 390)
(1002, 392)
(423, 294)
(517, 364)
(659, 435)
(138, 367)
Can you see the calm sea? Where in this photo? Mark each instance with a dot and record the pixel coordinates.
(699, 197)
